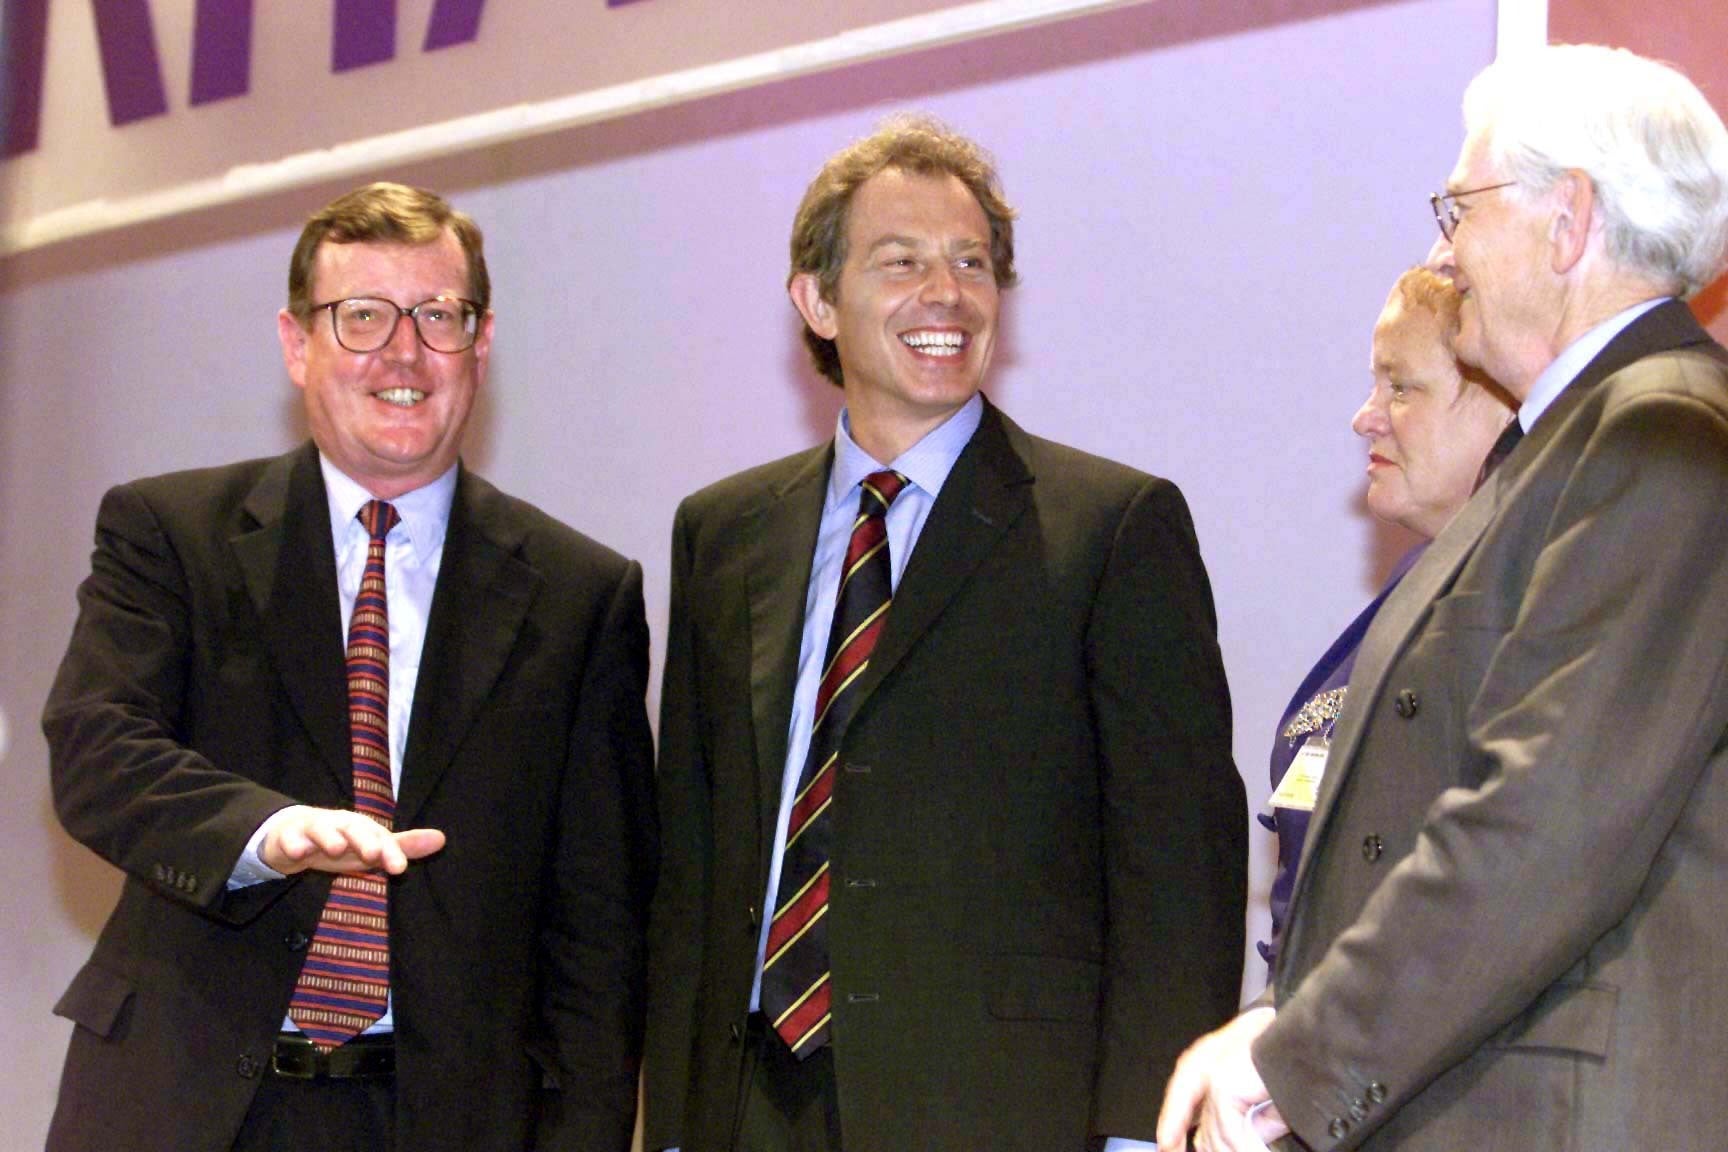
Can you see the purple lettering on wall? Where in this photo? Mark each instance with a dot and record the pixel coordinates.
(130, 68)
(453, 22)
(221, 50)
(24, 34)
(365, 34)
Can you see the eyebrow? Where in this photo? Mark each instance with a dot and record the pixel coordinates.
(891, 241)
(969, 243)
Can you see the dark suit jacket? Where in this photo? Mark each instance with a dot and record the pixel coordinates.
(1039, 835)
(204, 688)
(1507, 929)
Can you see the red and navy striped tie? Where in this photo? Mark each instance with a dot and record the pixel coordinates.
(345, 982)
(796, 990)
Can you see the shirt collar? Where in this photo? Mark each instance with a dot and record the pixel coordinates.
(1573, 359)
(927, 463)
(424, 512)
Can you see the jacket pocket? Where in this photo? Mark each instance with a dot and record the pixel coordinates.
(1044, 988)
(1575, 1018)
(96, 999)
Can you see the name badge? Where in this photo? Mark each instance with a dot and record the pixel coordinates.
(1301, 784)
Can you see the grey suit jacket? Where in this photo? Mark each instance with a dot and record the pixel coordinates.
(1507, 928)
(204, 688)
(1039, 835)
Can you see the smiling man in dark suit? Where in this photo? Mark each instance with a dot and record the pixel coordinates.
(954, 846)
(389, 900)
(1507, 926)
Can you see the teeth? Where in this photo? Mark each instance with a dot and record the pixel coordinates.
(935, 343)
(401, 397)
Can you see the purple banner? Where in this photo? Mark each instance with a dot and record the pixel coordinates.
(24, 33)
(453, 22)
(221, 50)
(130, 68)
(365, 34)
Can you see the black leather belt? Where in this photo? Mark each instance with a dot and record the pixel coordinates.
(364, 1057)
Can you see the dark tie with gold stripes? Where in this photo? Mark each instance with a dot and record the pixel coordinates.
(796, 993)
(345, 982)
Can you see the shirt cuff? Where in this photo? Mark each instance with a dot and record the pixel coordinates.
(1123, 1144)
(250, 869)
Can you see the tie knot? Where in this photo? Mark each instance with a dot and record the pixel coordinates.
(880, 488)
(378, 517)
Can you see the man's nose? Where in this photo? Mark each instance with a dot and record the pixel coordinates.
(404, 344)
(941, 286)
(1440, 258)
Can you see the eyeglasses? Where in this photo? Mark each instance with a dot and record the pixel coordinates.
(367, 323)
(1445, 205)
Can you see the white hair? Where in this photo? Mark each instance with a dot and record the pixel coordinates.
(1650, 143)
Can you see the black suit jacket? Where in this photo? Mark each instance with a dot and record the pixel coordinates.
(1039, 835)
(204, 688)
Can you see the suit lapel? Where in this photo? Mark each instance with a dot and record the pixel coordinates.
(983, 497)
(288, 562)
(781, 537)
(484, 591)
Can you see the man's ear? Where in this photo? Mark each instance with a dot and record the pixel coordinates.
(293, 337)
(1574, 211)
(806, 292)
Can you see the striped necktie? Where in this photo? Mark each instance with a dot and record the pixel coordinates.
(345, 982)
(795, 985)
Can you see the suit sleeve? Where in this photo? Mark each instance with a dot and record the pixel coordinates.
(1603, 696)
(1175, 812)
(125, 782)
(675, 929)
(595, 923)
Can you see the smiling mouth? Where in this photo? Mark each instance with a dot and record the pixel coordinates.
(401, 397)
(935, 343)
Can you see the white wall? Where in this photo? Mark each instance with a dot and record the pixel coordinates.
(1213, 207)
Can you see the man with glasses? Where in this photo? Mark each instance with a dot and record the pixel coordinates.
(381, 894)
(1507, 927)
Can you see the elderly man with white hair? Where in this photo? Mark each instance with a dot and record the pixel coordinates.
(1507, 930)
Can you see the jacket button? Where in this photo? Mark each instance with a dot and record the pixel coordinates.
(1372, 847)
(247, 1067)
(736, 1033)
(755, 918)
(1376, 1092)
(296, 940)
(1406, 703)
(1359, 1111)
(1339, 1128)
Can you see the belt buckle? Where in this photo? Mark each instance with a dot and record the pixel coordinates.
(294, 1058)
